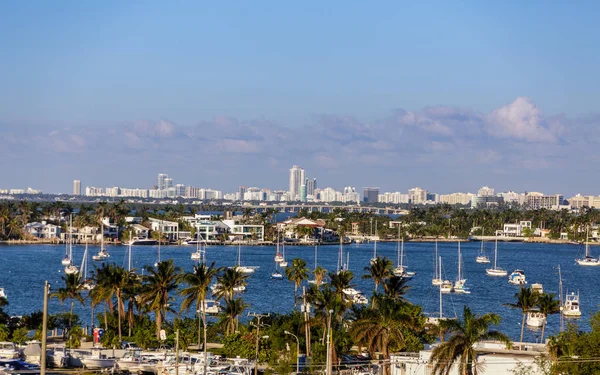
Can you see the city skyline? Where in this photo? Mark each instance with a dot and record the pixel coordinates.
(395, 95)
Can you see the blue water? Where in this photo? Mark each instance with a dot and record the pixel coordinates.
(25, 267)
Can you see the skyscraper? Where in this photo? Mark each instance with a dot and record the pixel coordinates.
(371, 194)
(76, 187)
(311, 185)
(303, 193)
(168, 183)
(296, 179)
(161, 181)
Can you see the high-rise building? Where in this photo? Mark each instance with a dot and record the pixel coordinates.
(161, 181)
(180, 190)
(311, 185)
(303, 192)
(241, 192)
(168, 183)
(371, 194)
(417, 195)
(76, 187)
(296, 179)
(485, 192)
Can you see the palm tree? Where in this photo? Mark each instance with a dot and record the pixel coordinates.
(159, 282)
(341, 280)
(547, 305)
(297, 273)
(103, 292)
(228, 281)
(465, 334)
(384, 327)
(72, 290)
(396, 288)
(319, 273)
(233, 308)
(196, 290)
(526, 300)
(379, 270)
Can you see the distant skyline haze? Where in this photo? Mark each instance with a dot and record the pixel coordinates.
(448, 96)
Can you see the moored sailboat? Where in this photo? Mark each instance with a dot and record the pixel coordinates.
(482, 258)
(496, 271)
(437, 277)
(588, 260)
(459, 284)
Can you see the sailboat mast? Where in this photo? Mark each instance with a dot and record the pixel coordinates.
(495, 253)
(459, 261)
(239, 262)
(129, 255)
(402, 254)
(315, 256)
(440, 270)
(436, 261)
(347, 261)
(71, 239)
(560, 297)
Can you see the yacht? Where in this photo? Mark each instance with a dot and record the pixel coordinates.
(8, 350)
(535, 318)
(58, 356)
(359, 299)
(482, 258)
(588, 260)
(437, 278)
(571, 306)
(459, 284)
(96, 360)
(537, 288)
(496, 271)
(211, 307)
(517, 277)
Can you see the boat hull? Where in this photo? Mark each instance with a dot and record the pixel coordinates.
(496, 272)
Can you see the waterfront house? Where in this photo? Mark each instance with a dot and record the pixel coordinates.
(210, 230)
(245, 231)
(514, 230)
(140, 231)
(297, 229)
(42, 230)
(168, 229)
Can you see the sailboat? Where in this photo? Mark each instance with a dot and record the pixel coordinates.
(239, 267)
(588, 260)
(374, 252)
(459, 284)
(276, 275)
(66, 260)
(435, 320)
(102, 254)
(158, 252)
(278, 257)
(482, 258)
(71, 269)
(283, 262)
(496, 271)
(437, 277)
(400, 269)
(340, 262)
(446, 286)
(87, 284)
(198, 254)
(314, 281)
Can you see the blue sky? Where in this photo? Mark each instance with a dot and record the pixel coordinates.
(444, 95)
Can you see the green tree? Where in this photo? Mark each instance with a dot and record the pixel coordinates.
(227, 283)
(232, 310)
(526, 299)
(195, 291)
(461, 347)
(379, 270)
(297, 273)
(72, 290)
(159, 283)
(547, 304)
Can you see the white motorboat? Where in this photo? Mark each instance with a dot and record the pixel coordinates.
(71, 269)
(517, 277)
(446, 286)
(2, 293)
(588, 260)
(496, 271)
(359, 299)
(211, 307)
(351, 291)
(459, 284)
(571, 306)
(537, 288)
(482, 258)
(437, 277)
(535, 318)
(58, 356)
(65, 261)
(33, 352)
(8, 350)
(240, 288)
(97, 361)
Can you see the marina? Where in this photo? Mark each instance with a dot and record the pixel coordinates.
(24, 285)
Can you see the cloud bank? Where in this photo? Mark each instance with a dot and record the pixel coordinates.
(515, 146)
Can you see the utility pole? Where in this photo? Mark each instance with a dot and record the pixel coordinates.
(44, 329)
(258, 318)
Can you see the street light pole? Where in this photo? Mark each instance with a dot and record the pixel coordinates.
(329, 364)
(297, 350)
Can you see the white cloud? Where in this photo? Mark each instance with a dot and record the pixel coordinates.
(522, 120)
